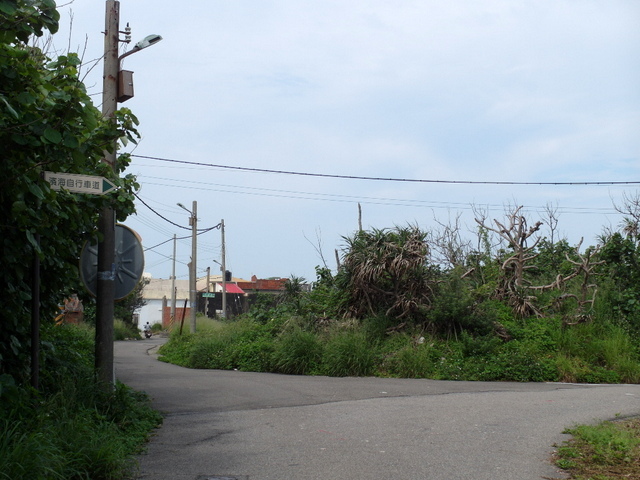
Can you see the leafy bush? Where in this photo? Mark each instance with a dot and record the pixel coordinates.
(454, 310)
(518, 363)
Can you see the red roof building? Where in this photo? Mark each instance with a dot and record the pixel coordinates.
(262, 285)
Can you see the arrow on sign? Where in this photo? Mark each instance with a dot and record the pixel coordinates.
(74, 183)
(107, 186)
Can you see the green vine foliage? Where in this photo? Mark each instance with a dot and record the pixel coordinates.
(47, 122)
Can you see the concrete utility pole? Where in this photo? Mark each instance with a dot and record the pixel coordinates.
(105, 291)
(193, 265)
(224, 274)
(173, 284)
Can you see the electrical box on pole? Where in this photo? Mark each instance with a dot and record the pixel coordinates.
(125, 85)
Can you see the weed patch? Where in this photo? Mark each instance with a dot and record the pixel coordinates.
(72, 429)
(608, 451)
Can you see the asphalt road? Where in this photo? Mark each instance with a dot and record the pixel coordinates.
(255, 426)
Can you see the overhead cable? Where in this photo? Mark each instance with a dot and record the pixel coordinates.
(200, 230)
(382, 179)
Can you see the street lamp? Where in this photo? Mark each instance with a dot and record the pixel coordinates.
(105, 290)
(193, 221)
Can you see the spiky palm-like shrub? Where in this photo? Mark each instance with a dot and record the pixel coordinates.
(385, 272)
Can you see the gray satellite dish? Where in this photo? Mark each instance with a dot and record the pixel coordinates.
(129, 263)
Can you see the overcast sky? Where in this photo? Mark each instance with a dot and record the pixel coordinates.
(481, 91)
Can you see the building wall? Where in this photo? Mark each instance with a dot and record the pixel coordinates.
(151, 312)
(183, 315)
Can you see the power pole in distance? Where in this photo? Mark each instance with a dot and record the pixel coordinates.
(173, 284)
(224, 273)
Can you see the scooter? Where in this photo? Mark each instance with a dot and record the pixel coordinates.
(147, 333)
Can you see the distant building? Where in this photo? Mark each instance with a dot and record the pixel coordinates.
(258, 285)
(157, 294)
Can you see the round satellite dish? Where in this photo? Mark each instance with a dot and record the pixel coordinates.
(129, 263)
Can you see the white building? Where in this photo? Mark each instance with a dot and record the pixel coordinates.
(158, 291)
(155, 293)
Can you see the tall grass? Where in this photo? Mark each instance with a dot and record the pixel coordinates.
(597, 353)
(297, 352)
(535, 349)
(72, 429)
(349, 354)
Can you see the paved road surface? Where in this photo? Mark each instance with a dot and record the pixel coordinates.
(254, 426)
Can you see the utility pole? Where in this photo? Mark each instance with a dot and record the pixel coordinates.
(194, 265)
(105, 291)
(173, 284)
(224, 274)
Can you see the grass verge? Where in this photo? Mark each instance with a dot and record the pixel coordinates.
(72, 428)
(607, 451)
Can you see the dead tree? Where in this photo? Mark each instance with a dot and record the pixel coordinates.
(517, 235)
(448, 246)
(588, 290)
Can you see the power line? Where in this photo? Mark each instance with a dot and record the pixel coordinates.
(200, 230)
(382, 179)
(327, 197)
(166, 241)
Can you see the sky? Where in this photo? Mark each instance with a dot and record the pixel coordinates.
(511, 96)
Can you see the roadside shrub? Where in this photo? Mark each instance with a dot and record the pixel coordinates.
(479, 346)
(209, 352)
(517, 363)
(178, 349)
(348, 354)
(72, 429)
(124, 331)
(67, 351)
(513, 361)
(454, 310)
(377, 328)
(600, 353)
(253, 356)
(532, 349)
(242, 344)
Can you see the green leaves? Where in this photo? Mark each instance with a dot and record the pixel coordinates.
(52, 136)
(19, 19)
(47, 122)
(9, 108)
(8, 7)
